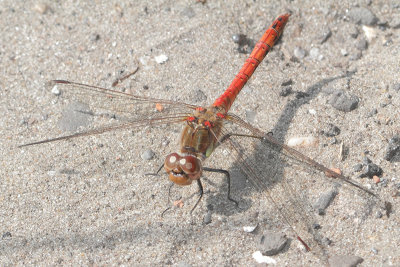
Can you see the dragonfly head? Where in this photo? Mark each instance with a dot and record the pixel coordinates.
(182, 169)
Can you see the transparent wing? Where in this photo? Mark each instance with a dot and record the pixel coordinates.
(284, 176)
(115, 109)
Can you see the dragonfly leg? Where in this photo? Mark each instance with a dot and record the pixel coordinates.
(156, 173)
(168, 200)
(228, 177)
(201, 191)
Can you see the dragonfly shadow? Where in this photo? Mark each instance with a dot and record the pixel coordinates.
(270, 162)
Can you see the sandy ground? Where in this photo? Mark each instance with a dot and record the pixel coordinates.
(87, 201)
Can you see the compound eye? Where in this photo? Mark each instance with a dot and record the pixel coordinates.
(171, 161)
(190, 164)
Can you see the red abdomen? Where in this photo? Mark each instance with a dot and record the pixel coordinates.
(261, 49)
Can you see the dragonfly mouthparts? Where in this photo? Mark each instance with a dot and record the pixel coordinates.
(183, 169)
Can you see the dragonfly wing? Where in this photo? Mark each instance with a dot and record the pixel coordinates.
(120, 104)
(267, 172)
(113, 109)
(287, 179)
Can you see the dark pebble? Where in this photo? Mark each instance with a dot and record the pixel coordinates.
(6, 235)
(362, 15)
(362, 44)
(207, 217)
(316, 226)
(371, 169)
(326, 34)
(357, 167)
(342, 102)
(393, 149)
(324, 201)
(271, 243)
(332, 130)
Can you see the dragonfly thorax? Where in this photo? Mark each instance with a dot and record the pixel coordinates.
(183, 169)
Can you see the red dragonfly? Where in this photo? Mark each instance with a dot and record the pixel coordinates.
(209, 127)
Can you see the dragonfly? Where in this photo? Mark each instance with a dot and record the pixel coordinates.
(206, 129)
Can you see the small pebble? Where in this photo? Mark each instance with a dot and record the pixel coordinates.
(271, 243)
(370, 33)
(148, 154)
(207, 217)
(159, 107)
(376, 179)
(344, 260)
(362, 15)
(342, 102)
(249, 229)
(393, 148)
(324, 201)
(239, 38)
(161, 59)
(370, 169)
(362, 44)
(259, 258)
(6, 235)
(299, 52)
(357, 167)
(55, 90)
(41, 8)
(332, 130)
(343, 52)
(327, 33)
(302, 141)
(316, 226)
(378, 214)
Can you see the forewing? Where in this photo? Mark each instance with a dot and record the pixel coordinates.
(112, 109)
